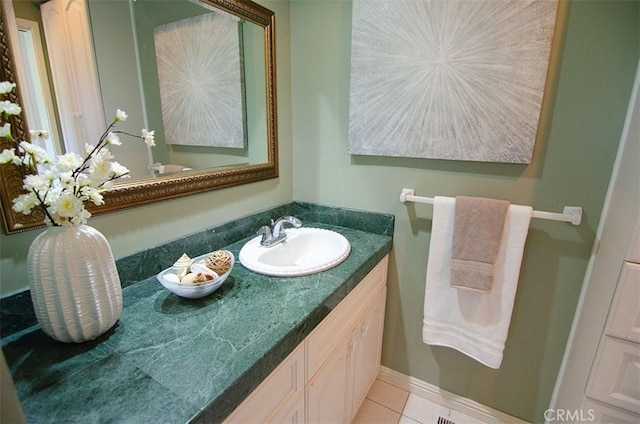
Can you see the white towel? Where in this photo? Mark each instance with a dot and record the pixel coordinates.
(475, 323)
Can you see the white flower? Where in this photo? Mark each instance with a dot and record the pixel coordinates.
(5, 130)
(65, 179)
(8, 155)
(68, 162)
(67, 205)
(9, 108)
(50, 175)
(100, 169)
(93, 195)
(52, 194)
(25, 203)
(38, 154)
(119, 171)
(148, 137)
(103, 154)
(82, 217)
(81, 180)
(35, 182)
(112, 138)
(121, 115)
(7, 87)
(39, 134)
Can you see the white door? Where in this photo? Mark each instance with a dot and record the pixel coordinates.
(595, 330)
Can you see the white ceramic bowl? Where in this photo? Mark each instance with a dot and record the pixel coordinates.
(197, 290)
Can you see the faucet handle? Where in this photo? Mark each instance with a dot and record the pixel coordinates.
(265, 230)
(295, 222)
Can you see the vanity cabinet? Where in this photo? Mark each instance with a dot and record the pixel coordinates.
(348, 373)
(328, 375)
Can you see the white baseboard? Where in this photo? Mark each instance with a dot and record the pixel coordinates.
(447, 399)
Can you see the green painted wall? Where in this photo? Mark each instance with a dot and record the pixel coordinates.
(134, 229)
(572, 163)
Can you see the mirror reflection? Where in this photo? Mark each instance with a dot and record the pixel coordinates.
(126, 79)
(193, 74)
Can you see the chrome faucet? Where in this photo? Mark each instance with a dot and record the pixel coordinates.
(274, 234)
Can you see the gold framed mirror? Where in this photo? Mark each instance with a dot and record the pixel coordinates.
(153, 189)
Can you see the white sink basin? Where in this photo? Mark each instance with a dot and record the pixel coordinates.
(305, 251)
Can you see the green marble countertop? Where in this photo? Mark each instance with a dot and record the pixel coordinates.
(174, 360)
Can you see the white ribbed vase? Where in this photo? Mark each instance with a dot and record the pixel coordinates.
(75, 287)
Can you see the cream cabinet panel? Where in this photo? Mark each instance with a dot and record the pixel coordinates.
(625, 315)
(598, 413)
(324, 338)
(293, 415)
(616, 379)
(328, 393)
(346, 375)
(278, 392)
(368, 350)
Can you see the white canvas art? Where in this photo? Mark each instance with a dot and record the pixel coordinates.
(200, 77)
(449, 79)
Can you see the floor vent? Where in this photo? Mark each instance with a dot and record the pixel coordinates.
(443, 420)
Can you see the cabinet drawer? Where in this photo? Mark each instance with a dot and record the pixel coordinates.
(278, 392)
(324, 339)
(615, 379)
(625, 314)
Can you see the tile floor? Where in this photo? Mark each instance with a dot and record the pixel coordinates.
(388, 404)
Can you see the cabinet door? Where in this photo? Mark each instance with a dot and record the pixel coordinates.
(625, 314)
(294, 415)
(276, 394)
(599, 413)
(328, 394)
(616, 376)
(326, 336)
(368, 349)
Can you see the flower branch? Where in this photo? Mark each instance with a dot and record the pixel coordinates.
(61, 186)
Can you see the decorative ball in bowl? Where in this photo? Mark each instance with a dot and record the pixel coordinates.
(197, 277)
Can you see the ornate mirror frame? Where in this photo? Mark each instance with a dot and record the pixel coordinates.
(141, 192)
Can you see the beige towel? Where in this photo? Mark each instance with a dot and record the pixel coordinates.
(477, 232)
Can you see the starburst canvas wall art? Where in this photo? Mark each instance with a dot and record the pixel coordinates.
(200, 77)
(449, 79)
